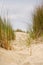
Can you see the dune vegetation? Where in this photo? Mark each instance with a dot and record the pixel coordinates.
(36, 32)
(6, 33)
(37, 23)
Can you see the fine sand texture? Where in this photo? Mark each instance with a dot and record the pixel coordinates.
(21, 54)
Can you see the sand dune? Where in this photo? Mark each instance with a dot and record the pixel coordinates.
(22, 55)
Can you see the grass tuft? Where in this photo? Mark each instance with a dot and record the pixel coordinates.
(6, 33)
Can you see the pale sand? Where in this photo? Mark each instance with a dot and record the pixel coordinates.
(22, 55)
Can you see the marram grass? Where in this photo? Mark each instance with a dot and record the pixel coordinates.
(6, 33)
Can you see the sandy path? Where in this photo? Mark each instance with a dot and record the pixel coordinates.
(21, 55)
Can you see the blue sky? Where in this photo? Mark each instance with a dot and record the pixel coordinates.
(19, 11)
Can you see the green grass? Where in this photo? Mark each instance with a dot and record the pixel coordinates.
(6, 33)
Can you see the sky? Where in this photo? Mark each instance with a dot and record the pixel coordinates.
(19, 12)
